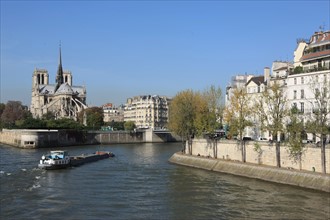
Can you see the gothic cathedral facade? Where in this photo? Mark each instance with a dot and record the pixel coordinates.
(61, 99)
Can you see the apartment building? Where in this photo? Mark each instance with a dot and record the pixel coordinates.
(113, 113)
(310, 77)
(303, 80)
(147, 111)
(237, 81)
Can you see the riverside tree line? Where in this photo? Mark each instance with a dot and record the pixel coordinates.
(199, 114)
(14, 115)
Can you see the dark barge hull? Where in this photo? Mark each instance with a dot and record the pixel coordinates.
(53, 167)
(82, 159)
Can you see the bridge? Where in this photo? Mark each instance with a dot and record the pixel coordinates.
(160, 135)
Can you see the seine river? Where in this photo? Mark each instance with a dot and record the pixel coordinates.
(139, 183)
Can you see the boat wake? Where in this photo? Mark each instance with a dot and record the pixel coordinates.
(34, 186)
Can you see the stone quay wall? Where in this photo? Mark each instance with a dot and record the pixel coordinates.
(114, 137)
(37, 138)
(261, 153)
(310, 180)
(42, 138)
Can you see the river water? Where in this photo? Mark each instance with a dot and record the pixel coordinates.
(139, 183)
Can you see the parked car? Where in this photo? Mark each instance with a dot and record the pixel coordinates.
(262, 139)
(247, 139)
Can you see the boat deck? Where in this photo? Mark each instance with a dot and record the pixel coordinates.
(87, 158)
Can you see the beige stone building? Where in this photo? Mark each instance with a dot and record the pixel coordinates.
(61, 99)
(113, 113)
(147, 111)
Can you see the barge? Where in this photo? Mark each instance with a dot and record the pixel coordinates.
(87, 158)
(61, 159)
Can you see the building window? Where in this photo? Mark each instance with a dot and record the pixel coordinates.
(295, 106)
(302, 80)
(315, 107)
(317, 93)
(294, 94)
(295, 81)
(302, 94)
(302, 107)
(325, 92)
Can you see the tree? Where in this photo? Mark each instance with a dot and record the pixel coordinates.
(129, 125)
(194, 114)
(272, 110)
(209, 115)
(296, 131)
(204, 121)
(298, 69)
(2, 108)
(116, 125)
(237, 115)
(94, 117)
(319, 122)
(48, 116)
(32, 123)
(182, 115)
(13, 111)
(63, 123)
(213, 97)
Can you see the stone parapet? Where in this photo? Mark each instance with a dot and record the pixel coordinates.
(38, 138)
(262, 153)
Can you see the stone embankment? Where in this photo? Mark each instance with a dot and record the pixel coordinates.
(310, 180)
(38, 138)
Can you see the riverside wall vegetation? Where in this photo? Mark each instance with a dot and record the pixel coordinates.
(225, 156)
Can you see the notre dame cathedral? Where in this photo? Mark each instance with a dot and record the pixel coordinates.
(62, 98)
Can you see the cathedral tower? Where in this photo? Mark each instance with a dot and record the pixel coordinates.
(40, 77)
(67, 77)
(62, 99)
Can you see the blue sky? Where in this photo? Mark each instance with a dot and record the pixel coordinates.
(120, 49)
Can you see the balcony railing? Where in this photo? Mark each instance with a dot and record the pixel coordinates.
(298, 70)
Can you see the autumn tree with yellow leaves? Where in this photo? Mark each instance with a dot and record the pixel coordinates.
(237, 116)
(194, 114)
(271, 108)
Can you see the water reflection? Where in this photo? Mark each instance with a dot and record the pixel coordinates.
(139, 183)
(231, 197)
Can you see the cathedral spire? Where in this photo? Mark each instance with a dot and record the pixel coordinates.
(60, 61)
(59, 75)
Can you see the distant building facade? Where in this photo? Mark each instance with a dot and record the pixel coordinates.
(302, 81)
(113, 113)
(237, 81)
(310, 78)
(61, 99)
(147, 111)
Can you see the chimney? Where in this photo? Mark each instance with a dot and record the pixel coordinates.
(266, 74)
